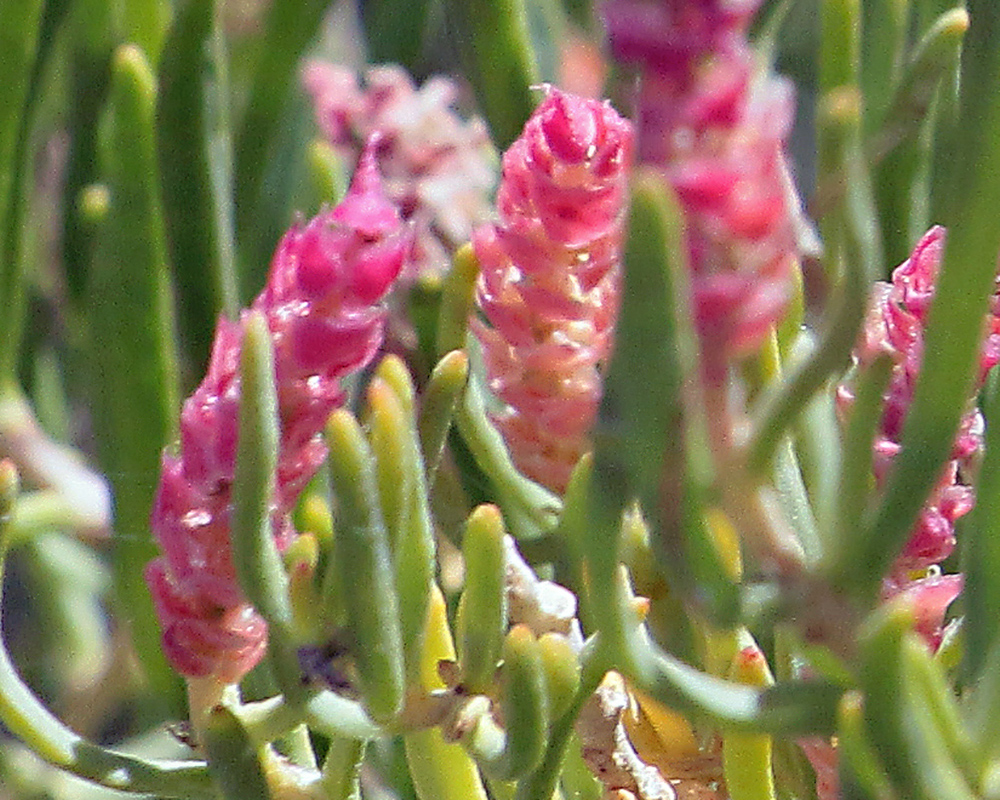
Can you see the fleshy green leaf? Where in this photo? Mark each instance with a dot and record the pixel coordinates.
(483, 610)
(364, 562)
(258, 564)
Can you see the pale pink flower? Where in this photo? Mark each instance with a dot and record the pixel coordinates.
(438, 168)
(717, 130)
(550, 279)
(322, 305)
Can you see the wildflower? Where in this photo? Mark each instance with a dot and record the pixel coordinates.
(549, 282)
(717, 130)
(322, 307)
(438, 168)
(894, 324)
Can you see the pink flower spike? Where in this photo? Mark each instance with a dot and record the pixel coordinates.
(894, 325)
(717, 131)
(549, 279)
(322, 305)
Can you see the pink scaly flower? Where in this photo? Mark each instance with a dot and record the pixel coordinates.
(438, 169)
(717, 130)
(550, 279)
(894, 325)
(322, 306)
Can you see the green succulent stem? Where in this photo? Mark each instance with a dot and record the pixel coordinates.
(259, 566)
(26, 717)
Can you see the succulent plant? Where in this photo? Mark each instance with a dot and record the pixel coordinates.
(665, 482)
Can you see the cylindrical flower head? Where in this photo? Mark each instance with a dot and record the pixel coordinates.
(322, 305)
(894, 324)
(438, 168)
(549, 282)
(717, 131)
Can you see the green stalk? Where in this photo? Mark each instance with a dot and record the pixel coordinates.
(289, 28)
(856, 482)
(747, 757)
(395, 31)
(980, 550)
(902, 717)
(132, 342)
(93, 30)
(525, 712)
(27, 718)
(233, 760)
(195, 150)
(883, 38)
(500, 61)
(440, 770)
(20, 27)
(342, 768)
(858, 253)
(145, 23)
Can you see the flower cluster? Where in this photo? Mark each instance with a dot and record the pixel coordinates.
(550, 279)
(895, 324)
(717, 130)
(322, 307)
(438, 169)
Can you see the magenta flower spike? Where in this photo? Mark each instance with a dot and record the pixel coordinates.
(438, 168)
(550, 279)
(322, 305)
(894, 324)
(717, 130)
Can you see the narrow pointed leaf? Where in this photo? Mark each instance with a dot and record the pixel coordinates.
(414, 548)
(437, 407)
